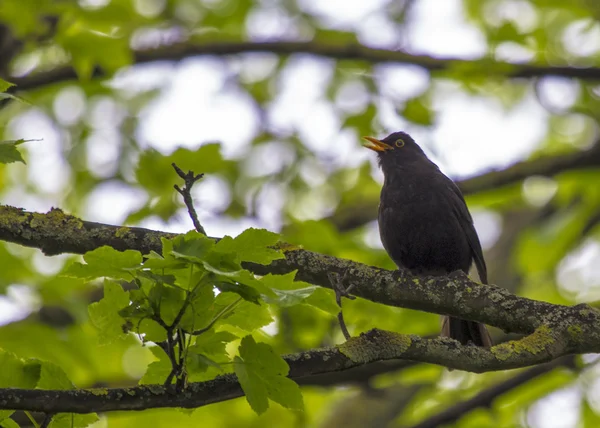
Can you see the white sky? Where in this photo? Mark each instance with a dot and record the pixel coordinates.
(472, 134)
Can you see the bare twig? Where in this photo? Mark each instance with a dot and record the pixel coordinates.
(47, 419)
(177, 363)
(171, 354)
(189, 180)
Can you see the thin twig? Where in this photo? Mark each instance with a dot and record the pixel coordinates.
(47, 419)
(181, 312)
(189, 180)
(338, 286)
(171, 354)
(176, 363)
(182, 374)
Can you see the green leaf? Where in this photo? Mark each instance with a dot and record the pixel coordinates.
(192, 246)
(4, 85)
(198, 363)
(18, 373)
(201, 309)
(324, 300)
(163, 279)
(263, 375)
(208, 353)
(212, 344)
(157, 371)
(104, 314)
(53, 377)
(290, 292)
(7, 423)
(589, 416)
(9, 152)
(89, 46)
(156, 262)
(152, 331)
(155, 173)
(363, 122)
(418, 111)
(4, 96)
(222, 265)
(252, 245)
(287, 298)
(139, 308)
(247, 316)
(247, 293)
(227, 270)
(107, 262)
(73, 420)
(166, 301)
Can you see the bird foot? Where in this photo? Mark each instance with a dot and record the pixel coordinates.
(340, 290)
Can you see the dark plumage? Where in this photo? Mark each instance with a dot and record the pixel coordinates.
(424, 222)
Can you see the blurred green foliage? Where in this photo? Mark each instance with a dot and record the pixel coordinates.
(322, 199)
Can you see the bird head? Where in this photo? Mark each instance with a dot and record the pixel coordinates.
(396, 149)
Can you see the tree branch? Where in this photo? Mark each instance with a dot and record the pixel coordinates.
(379, 346)
(554, 330)
(57, 232)
(559, 329)
(180, 51)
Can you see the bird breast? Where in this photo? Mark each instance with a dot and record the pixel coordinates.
(420, 230)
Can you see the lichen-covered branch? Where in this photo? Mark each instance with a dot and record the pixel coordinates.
(180, 51)
(374, 346)
(553, 330)
(557, 330)
(57, 232)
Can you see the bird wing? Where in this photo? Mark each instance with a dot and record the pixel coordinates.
(466, 221)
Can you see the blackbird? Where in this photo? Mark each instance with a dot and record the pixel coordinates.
(424, 223)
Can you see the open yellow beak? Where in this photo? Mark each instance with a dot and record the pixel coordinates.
(376, 145)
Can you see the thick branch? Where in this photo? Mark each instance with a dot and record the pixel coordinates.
(555, 330)
(567, 329)
(57, 232)
(335, 51)
(376, 345)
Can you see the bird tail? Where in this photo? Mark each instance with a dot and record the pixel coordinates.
(466, 332)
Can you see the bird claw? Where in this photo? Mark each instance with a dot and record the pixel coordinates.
(337, 284)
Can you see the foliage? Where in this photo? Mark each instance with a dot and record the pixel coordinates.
(82, 80)
(185, 301)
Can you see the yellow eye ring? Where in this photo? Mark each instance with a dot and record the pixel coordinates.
(399, 143)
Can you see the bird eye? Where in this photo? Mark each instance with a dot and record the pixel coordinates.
(399, 143)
